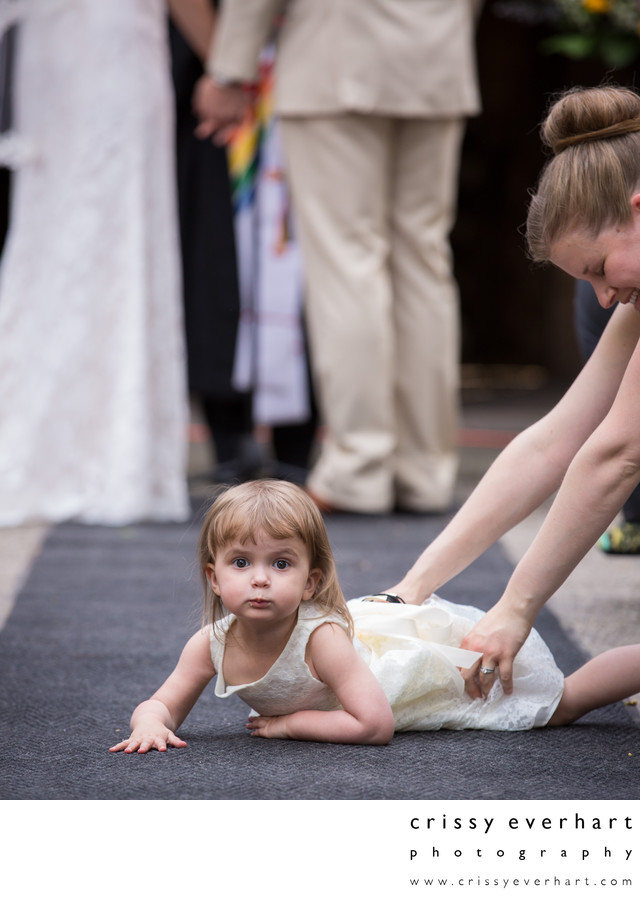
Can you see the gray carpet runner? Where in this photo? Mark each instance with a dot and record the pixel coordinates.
(99, 625)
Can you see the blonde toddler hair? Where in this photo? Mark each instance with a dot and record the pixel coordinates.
(282, 510)
(594, 134)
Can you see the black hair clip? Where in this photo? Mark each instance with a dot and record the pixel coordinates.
(386, 597)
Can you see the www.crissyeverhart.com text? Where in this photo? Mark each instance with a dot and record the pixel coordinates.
(534, 882)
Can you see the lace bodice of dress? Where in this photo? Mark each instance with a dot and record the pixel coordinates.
(288, 685)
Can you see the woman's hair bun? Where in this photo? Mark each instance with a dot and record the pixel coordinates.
(596, 113)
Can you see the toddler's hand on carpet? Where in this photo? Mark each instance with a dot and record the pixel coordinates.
(143, 739)
(268, 727)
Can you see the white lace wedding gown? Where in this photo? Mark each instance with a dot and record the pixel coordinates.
(93, 407)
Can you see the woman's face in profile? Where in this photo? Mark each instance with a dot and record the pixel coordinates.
(610, 261)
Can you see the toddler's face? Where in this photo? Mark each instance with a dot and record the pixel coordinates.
(265, 580)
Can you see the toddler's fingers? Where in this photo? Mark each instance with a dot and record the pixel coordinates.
(260, 731)
(120, 746)
(255, 725)
(175, 741)
(146, 744)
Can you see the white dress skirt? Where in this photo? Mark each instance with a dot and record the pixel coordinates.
(93, 402)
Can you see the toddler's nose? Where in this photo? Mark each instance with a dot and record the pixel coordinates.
(260, 575)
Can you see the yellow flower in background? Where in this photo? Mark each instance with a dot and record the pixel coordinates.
(597, 6)
(605, 30)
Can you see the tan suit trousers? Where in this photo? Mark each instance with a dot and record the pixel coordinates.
(374, 198)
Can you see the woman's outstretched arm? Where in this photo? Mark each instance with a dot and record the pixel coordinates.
(600, 478)
(592, 437)
(530, 468)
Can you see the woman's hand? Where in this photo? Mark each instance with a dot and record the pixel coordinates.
(150, 732)
(499, 635)
(219, 109)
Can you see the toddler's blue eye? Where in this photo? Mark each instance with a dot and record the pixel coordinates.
(240, 562)
(281, 564)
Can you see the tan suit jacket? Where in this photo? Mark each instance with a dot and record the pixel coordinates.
(408, 58)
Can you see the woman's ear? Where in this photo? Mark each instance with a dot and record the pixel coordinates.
(211, 577)
(312, 584)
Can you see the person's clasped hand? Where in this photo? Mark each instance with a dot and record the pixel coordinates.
(219, 109)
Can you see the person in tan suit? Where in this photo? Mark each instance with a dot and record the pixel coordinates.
(372, 96)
